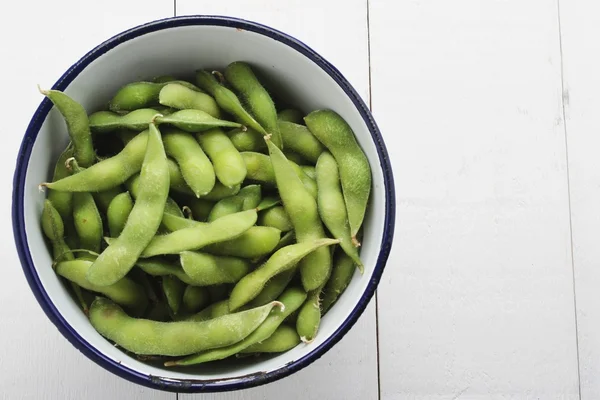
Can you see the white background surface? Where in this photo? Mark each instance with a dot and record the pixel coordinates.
(491, 114)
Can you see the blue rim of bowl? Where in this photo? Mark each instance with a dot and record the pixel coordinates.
(190, 385)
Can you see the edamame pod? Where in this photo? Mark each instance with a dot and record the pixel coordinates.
(292, 299)
(221, 191)
(77, 122)
(104, 197)
(301, 207)
(145, 337)
(140, 95)
(173, 289)
(277, 218)
(341, 275)
(260, 169)
(299, 139)
(255, 97)
(195, 298)
(143, 222)
(88, 222)
(227, 100)
(256, 242)
(195, 166)
(274, 287)
(124, 292)
(248, 198)
(195, 121)
(107, 173)
(107, 121)
(197, 237)
(207, 269)
(283, 339)
(290, 115)
(53, 228)
(268, 202)
(62, 201)
(309, 317)
(310, 171)
(332, 207)
(229, 166)
(178, 96)
(283, 259)
(157, 266)
(355, 172)
(247, 140)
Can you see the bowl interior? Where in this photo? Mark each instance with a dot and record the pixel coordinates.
(179, 51)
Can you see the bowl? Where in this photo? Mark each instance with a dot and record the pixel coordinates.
(179, 46)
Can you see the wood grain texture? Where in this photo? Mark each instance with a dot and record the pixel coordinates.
(349, 370)
(42, 40)
(478, 300)
(580, 27)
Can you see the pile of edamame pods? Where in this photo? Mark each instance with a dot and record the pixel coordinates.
(199, 221)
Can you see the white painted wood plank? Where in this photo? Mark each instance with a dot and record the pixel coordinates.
(580, 27)
(349, 370)
(41, 40)
(478, 299)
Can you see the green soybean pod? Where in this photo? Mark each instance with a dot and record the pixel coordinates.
(195, 121)
(240, 75)
(173, 290)
(104, 197)
(283, 339)
(86, 217)
(107, 173)
(248, 198)
(332, 207)
(275, 217)
(301, 207)
(229, 166)
(341, 275)
(310, 171)
(124, 292)
(297, 138)
(283, 259)
(260, 169)
(355, 172)
(247, 140)
(227, 100)
(118, 212)
(195, 166)
(195, 298)
(201, 235)
(290, 115)
(141, 94)
(294, 157)
(134, 185)
(292, 299)
(257, 241)
(181, 338)
(274, 287)
(78, 128)
(144, 220)
(158, 266)
(88, 222)
(108, 121)
(164, 79)
(207, 269)
(268, 202)
(180, 97)
(62, 201)
(53, 228)
(176, 181)
(221, 191)
(309, 317)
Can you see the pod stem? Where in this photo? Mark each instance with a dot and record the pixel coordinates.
(219, 76)
(355, 241)
(188, 212)
(42, 91)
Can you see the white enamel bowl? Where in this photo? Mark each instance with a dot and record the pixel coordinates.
(179, 46)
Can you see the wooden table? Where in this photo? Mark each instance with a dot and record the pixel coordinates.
(491, 114)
